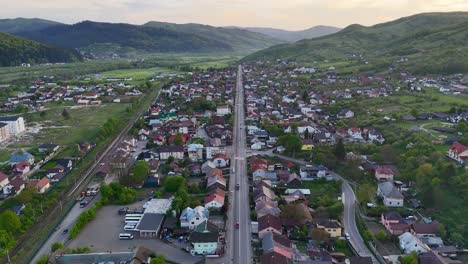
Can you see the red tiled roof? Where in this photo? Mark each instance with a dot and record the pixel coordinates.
(267, 221)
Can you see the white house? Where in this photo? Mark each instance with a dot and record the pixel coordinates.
(410, 243)
(257, 146)
(345, 113)
(214, 201)
(192, 218)
(458, 152)
(223, 110)
(392, 197)
(15, 124)
(212, 151)
(171, 151)
(204, 243)
(195, 152)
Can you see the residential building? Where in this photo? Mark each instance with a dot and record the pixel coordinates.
(15, 186)
(214, 201)
(458, 152)
(394, 223)
(384, 173)
(3, 180)
(176, 152)
(425, 229)
(269, 224)
(392, 197)
(4, 131)
(332, 227)
(223, 110)
(204, 243)
(192, 218)
(42, 185)
(410, 243)
(15, 124)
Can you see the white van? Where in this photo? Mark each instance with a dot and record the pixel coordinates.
(125, 236)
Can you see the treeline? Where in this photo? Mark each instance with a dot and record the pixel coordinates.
(116, 193)
(14, 51)
(84, 218)
(109, 128)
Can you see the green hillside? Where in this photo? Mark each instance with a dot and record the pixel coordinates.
(432, 42)
(150, 38)
(15, 50)
(239, 39)
(16, 25)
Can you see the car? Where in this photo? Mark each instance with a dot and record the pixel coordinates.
(237, 225)
(237, 186)
(65, 231)
(347, 236)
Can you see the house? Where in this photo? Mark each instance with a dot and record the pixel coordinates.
(355, 133)
(269, 224)
(222, 110)
(4, 131)
(410, 243)
(3, 180)
(384, 173)
(263, 193)
(345, 113)
(42, 185)
(192, 218)
(305, 192)
(15, 124)
(214, 201)
(458, 152)
(195, 152)
(424, 229)
(280, 244)
(220, 160)
(19, 157)
(48, 147)
(332, 227)
(21, 168)
(392, 197)
(143, 134)
(293, 180)
(207, 166)
(215, 181)
(267, 207)
(176, 152)
(307, 144)
(15, 186)
(312, 172)
(204, 243)
(359, 260)
(274, 258)
(394, 223)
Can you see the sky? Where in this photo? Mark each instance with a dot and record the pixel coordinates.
(286, 14)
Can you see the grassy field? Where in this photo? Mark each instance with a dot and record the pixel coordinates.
(83, 125)
(135, 74)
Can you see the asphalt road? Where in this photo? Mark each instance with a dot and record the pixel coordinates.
(239, 239)
(349, 200)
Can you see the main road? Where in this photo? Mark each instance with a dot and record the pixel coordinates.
(239, 227)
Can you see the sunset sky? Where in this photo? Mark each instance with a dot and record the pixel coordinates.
(286, 14)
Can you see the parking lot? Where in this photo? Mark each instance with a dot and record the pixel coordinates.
(102, 235)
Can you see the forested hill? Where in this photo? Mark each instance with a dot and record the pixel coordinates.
(151, 37)
(431, 42)
(15, 50)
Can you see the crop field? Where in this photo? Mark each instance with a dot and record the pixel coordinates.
(136, 74)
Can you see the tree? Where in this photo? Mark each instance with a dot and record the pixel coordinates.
(320, 234)
(6, 242)
(43, 260)
(159, 259)
(340, 151)
(381, 235)
(178, 139)
(410, 259)
(43, 114)
(388, 154)
(292, 143)
(65, 114)
(56, 246)
(10, 221)
(365, 193)
(173, 183)
(140, 171)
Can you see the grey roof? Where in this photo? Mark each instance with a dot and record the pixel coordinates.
(206, 237)
(150, 222)
(9, 118)
(389, 191)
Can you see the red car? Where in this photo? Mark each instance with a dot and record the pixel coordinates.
(237, 225)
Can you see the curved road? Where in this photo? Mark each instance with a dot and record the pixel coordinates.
(349, 215)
